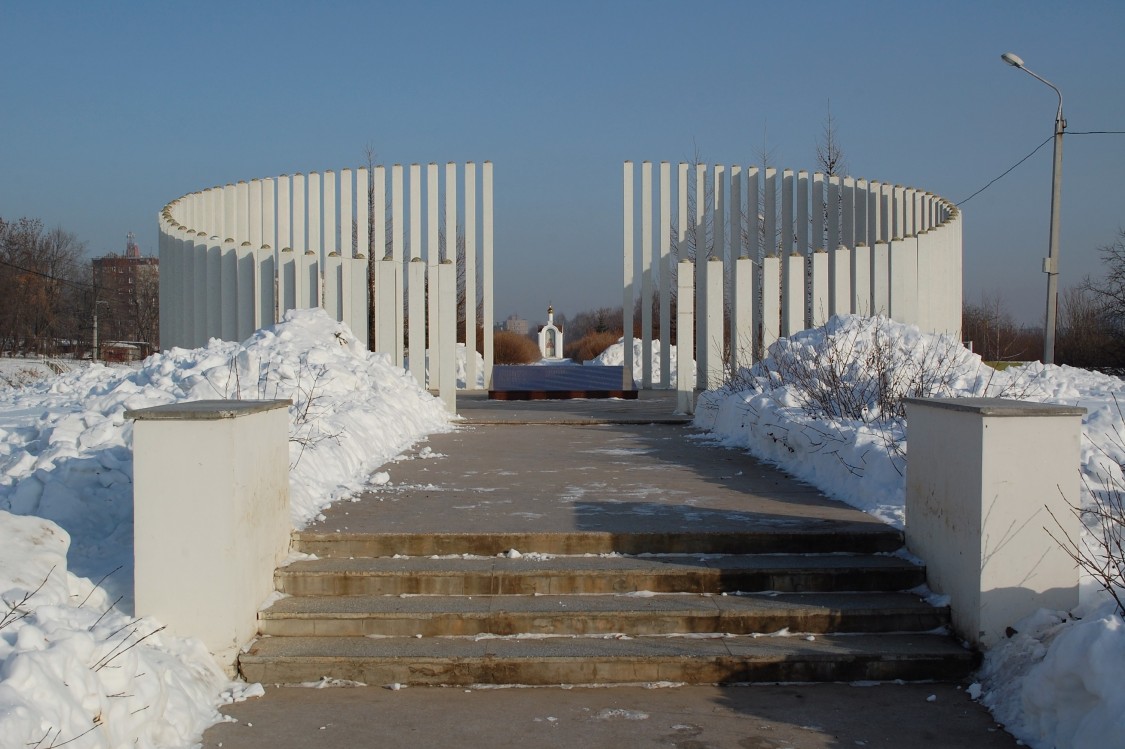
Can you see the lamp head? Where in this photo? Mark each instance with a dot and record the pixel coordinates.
(1012, 59)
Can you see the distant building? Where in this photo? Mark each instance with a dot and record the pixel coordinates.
(551, 337)
(515, 324)
(127, 292)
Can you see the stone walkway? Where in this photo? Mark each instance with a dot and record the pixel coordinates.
(527, 471)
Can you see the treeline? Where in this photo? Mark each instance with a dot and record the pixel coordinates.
(45, 295)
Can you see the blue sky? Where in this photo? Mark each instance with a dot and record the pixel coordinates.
(112, 109)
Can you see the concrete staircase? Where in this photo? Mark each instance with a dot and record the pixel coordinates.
(587, 607)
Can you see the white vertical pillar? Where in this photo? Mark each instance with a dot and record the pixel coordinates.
(378, 216)
(832, 212)
(898, 199)
(771, 300)
(241, 211)
(245, 278)
(685, 354)
(908, 205)
(416, 323)
(284, 214)
(792, 294)
(874, 212)
(433, 259)
(316, 222)
(330, 241)
(646, 275)
(861, 280)
(451, 254)
(818, 303)
(269, 213)
(286, 281)
(771, 242)
(665, 275)
(904, 280)
(840, 281)
(860, 194)
(819, 208)
(299, 214)
(712, 347)
(415, 237)
(754, 219)
(230, 211)
(486, 270)
(363, 216)
(333, 302)
(254, 212)
(447, 314)
(743, 313)
(207, 290)
(388, 276)
(358, 299)
(737, 250)
(347, 246)
(627, 249)
(802, 213)
(700, 235)
(847, 212)
(881, 279)
(266, 266)
(926, 279)
(398, 253)
(719, 218)
(787, 233)
(470, 179)
(228, 291)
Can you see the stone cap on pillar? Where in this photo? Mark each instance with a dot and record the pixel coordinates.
(997, 406)
(205, 410)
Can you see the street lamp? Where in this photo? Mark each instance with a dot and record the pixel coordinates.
(1051, 262)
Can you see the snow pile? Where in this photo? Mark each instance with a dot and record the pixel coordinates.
(822, 406)
(76, 662)
(15, 372)
(614, 356)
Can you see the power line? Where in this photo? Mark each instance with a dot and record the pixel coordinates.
(1006, 173)
(77, 284)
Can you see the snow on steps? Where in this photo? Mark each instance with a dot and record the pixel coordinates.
(833, 615)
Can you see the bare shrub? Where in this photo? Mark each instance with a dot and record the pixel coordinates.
(591, 346)
(513, 348)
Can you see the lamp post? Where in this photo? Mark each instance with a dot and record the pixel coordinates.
(1051, 263)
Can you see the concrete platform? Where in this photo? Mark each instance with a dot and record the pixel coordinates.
(815, 716)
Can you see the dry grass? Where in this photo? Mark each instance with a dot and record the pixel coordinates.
(512, 348)
(590, 346)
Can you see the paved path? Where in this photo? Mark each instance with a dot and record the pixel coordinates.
(616, 466)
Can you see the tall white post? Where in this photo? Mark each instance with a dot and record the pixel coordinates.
(230, 211)
(904, 280)
(347, 245)
(646, 275)
(284, 215)
(700, 235)
(388, 277)
(860, 194)
(840, 281)
(712, 347)
(228, 291)
(771, 300)
(416, 320)
(299, 212)
(847, 212)
(241, 211)
(665, 275)
(269, 213)
(792, 294)
(737, 250)
(246, 302)
(802, 213)
(471, 275)
(881, 279)
(267, 286)
(363, 215)
(486, 271)
(286, 281)
(627, 247)
(433, 259)
(207, 290)
(861, 279)
(254, 209)
(447, 313)
(874, 191)
(398, 253)
(316, 222)
(770, 202)
(333, 302)
(743, 329)
(685, 353)
(787, 212)
(819, 208)
(818, 302)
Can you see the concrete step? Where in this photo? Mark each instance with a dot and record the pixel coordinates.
(440, 616)
(856, 538)
(790, 573)
(606, 659)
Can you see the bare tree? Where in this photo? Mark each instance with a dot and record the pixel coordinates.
(829, 154)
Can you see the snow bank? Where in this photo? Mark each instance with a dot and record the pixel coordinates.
(72, 664)
(812, 408)
(614, 356)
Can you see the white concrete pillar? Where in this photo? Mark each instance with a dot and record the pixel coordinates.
(770, 202)
(754, 217)
(787, 213)
(711, 348)
(211, 495)
(832, 209)
(331, 234)
(840, 281)
(818, 302)
(861, 280)
(908, 213)
(792, 294)
(358, 299)
(379, 248)
(771, 301)
(699, 228)
(166, 256)
(266, 291)
(819, 208)
(230, 211)
(898, 197)
(286, 281)
(269, 213)
(847, 212)
(333, 302)
(299, 213)
(802, 217)
(447, 312)
(665, 271)
(860, 193)
(685, 351)
(881, 279)
(743, 314)
(987, 479)
(218, 210)
(254, 208)
(363, 215)
(433, 260)
(415, 237)
(398, 214)
(284, 208)
(874, 202)
(245, 291)
(228, 291)
(486, 271)
(646, 275)
(201, 290)
(904, 280)
(926, 280)
(470, 184)
(315, 217)
(628, 248)
(886, 210)
(214, 327)
(241, 211)
(388, 276)
(416, 320)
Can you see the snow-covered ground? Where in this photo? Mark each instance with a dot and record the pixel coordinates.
(812, 407)
(614, 356)
(75, 667)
